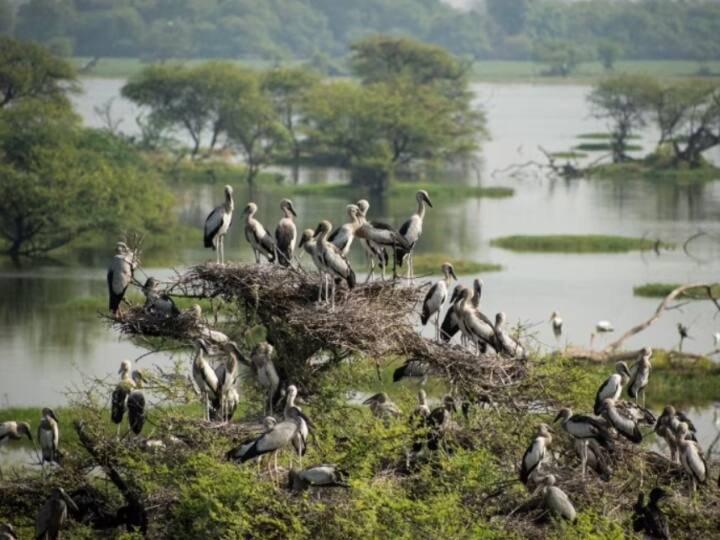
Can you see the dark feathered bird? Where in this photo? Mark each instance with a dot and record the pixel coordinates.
(136, 404)
(52, 515)
(415, 369)
(536, 453)
(651, 519)
(119, 275)
(121, 393)
(217, 225)
(286, 233)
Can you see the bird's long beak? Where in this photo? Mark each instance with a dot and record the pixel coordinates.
(70, 502)
(558, 417)
(317, 230)
(292, 209)
(369, 400)
(452, 273)
(427, 200)
(303, 240)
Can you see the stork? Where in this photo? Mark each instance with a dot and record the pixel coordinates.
(52, 515)
(555, 499)
(604, 327)
(422, 410)
(691, 457)
(640, 375)
(136, 403)
(217, 225)
(262, 360)
(286, 233)
(373, 250)
(382, 406)
(623, 424)
(415, 369)
(436, 296)
(204, 377)
(333, 261)
(325, 475)
(343, 236)
(260, 240)
(236, 454)
(684, 334)
(120, 394)
(651, 519)
(380, 236)
(278, 437)
(48, 434)
(667, 427)
(506, 342)
(120, 275)
(612, 386)
(450, 325)
(584, 428)
(536, 454)
(411, 231)
(557, 323)
(13, 431)
(299, 442)
(472, 324)
(594, 456)
(157, 301)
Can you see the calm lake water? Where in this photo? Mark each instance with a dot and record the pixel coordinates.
(47, 349)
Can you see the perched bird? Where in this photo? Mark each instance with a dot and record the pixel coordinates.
(120, 275)
(204, 377)
(612, 386)
(262, 360)
(7, 532)
(334, 263)
(227, 373)
(136, 404)
(308, 243)
(536, 454)
(286, 233)
(416, 369)
(379, 236)
(217, 225)
(594, 456)
(373, 251)
(261, 241)
(343, 236)
(13, 431)
(278, 437)
(691, 457)
(623, 424)
(436, 296)
(120, 394)
(557, 323)
(507, 344)
(411, 231)
(317, 476)
(236, 454)
(382, 407)
(604, 326)
(684, 334)
(651, 519)
(472, 324)
(52, 515)
(585, 429)
(157, 301)
(716, 340)
(292, 411)
(422, 410)
(451, 324)
(667, 427)
(48, 435)
(555, 499)
(640, 375)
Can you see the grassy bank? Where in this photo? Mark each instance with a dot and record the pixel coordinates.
(590, 243)
(661, 290)
(429, 263)
(482, 71)
(652, 171)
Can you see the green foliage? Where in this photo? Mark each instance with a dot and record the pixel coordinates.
(609, 52)
(661, 290)
(561, 57)
(590, 243)
(429, 263)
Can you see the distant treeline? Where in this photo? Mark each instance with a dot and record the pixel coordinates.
(285, 29)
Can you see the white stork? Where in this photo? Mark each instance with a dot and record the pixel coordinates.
(217, 225)
(536, 454)
(120, 274)
(411, 231)
(436, 296)
(612, 387)
(343, 236)
(286, 233)
(261, 241)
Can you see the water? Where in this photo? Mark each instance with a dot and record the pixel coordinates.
(47, 349)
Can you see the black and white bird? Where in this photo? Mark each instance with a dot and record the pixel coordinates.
(422, 410)
(52, 515)
(623, 423)
(227, 373)
(507, 344)
(260, 240)
(373, 251)
(651, 519)
(343, 236)
(411, 231)
(48, 435)
(536, 454)
(291, 411)
(7, 532)
(668, 426)
(308, 243)
(584, 428)
(555, 500)
(204, 377)
(691, 457)
(612, 386)
(436, 297)
(120, 275)
(451, 325)
(236, 454)
(382, 406)
(557, 323)
(217, 225)
(335, 264)
(380, 236)
(262, 360)
(412, 369)
(684, 333)
(14, 431)
(118, 403)
(136, 403)
(286, 233)
(640, 375)
(473, 324)
(157, 301)
(326, 475)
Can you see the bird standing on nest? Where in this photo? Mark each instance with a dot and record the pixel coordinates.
(436, 296)
(217, 225)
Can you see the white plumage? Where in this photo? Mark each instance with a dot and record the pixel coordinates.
(260, 240)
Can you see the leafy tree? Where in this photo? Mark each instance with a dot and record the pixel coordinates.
(28, 70)
(609, 52)
(61, 181)
(43, 20)
(562, 57)
(511, 15)
(623, 101)
(7, 17)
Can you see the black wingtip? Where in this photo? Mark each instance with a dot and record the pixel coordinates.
(399, 373)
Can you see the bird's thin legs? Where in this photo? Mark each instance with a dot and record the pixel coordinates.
(584, 457)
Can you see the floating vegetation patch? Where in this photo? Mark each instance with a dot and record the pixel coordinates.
(568, 155)
(661, 290)
(569, 243)
(603, 136)
(429, 263)
(600, 147)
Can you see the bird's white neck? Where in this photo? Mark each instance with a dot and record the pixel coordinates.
(420, 209)
(229, 203)
(287, 214)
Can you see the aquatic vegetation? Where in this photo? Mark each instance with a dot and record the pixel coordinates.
(661, 290)
(429, 263)
(589, 243)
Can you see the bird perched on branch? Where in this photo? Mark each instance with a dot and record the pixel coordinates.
(508, 345)
(684, 334)
(691, 457)
(334, 263)
(624, 424)
(557, 323)
(204, 377)
(584, 428)
(120, 275)
(612, 386)
(373, 250)
(668, 426)
(157, 301)
(217, 225)
(343, 236)
(52, 515)
(262, 360)
(286, 233)
(555, 500)
(640, 375)
(260, 240)
(136, 403)
(436, 296)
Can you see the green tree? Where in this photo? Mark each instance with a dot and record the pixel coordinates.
(562, 57)
(511, 15)
(7, 17)
(609, 52)
(623, 101)
(43, 20)
(61, 181)
(29, 70)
